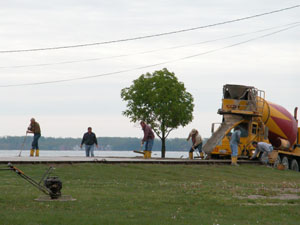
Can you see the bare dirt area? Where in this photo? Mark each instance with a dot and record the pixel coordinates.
(273, 197)
(280, 197)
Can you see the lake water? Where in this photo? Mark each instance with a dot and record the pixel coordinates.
(53, 153)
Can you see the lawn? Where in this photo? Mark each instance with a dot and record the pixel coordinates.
(155, 194)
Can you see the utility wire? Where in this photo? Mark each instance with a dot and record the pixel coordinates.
(149, 36)
(145, 52)
(152, 65)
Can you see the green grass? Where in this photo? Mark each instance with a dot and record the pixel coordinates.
(153, 194)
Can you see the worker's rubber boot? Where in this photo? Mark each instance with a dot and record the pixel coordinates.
(37, 153)
(145, 154)
(31, 153)
(191, 155)
(234, 161)
(201, 155)
(149, 155)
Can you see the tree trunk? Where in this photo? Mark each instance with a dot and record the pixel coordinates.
(163, 147)
(163, 139)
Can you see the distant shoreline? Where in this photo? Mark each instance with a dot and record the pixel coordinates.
(105, 143)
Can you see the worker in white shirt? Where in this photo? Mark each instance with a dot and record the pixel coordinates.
(197, 143)
(264, 148)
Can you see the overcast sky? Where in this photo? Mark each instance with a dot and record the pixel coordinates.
(66, 109)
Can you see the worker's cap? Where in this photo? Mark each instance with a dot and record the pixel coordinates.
(32, 119)
(194, 131)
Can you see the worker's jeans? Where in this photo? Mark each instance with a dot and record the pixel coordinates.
(149, 145)
(199, 147)
(89, 149)
(35, 144)
(265, 157)
(234, 149)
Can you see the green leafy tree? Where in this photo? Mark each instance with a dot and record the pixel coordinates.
(160, 100)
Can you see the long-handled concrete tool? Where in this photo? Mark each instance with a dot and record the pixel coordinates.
(22, 146)
(140, 151)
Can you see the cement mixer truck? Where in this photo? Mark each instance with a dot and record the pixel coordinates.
(259, 120)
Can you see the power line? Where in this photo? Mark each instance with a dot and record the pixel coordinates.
(149, 36)
(152, 65)
(145, 52)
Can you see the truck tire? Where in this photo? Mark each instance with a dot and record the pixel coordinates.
(295, 165)
(285, 162)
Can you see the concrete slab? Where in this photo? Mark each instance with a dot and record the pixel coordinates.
(77, 159)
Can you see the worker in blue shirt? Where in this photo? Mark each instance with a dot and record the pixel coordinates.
(234, 142)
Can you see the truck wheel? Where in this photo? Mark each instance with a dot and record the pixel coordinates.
(277, 161)
(295, 165)
(285, 162)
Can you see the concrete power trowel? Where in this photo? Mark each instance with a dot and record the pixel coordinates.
(50, 185)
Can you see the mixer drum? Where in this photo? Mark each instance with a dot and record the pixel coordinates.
(282, 125)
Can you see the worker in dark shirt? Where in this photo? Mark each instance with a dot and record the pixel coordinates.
(34, 128)
(148, 139)
(89, 140)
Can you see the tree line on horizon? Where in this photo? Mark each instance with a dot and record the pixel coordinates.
(105, 143)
